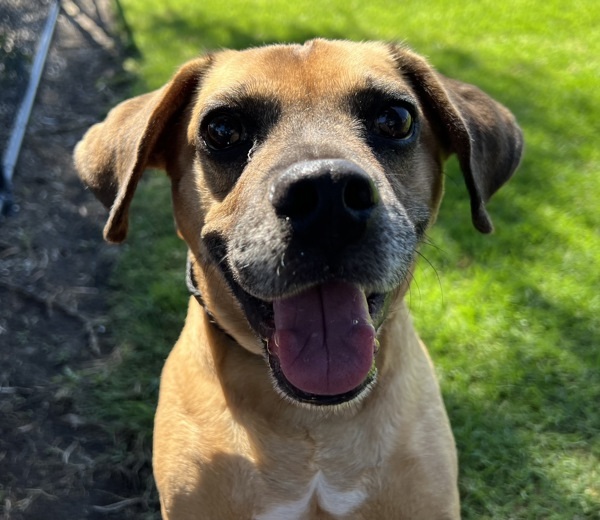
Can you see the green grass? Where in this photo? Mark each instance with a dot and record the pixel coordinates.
(513, 319)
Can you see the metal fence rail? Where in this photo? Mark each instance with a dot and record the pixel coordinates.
(26, 28)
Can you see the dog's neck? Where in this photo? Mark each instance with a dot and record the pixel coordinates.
(192, 286)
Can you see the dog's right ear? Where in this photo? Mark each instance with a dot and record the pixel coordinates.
(484, 134)
(112, 155)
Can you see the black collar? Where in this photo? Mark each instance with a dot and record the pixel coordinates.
(192, 286)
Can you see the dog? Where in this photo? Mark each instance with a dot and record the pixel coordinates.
(303, 178)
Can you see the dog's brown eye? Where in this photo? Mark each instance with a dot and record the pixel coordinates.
(223, 131)
(393, 122)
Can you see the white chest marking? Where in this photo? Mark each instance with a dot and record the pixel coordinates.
(335, 502)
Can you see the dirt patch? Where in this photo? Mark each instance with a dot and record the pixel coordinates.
(55, 463)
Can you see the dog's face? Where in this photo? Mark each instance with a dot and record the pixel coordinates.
(322, 180)
(303, 179)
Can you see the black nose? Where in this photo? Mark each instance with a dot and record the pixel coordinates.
(327, 202)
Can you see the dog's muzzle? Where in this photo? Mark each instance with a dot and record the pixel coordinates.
(323, 342)
(307, 272)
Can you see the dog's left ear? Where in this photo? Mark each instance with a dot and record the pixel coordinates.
(112, 155)
(483, 133)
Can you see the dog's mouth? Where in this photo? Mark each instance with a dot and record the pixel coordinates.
(321, 342)
(322, 345)
(319, 339)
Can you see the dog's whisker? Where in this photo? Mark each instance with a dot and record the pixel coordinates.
(428, 241)
(435, 271)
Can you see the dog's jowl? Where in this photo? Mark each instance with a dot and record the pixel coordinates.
(303, 179)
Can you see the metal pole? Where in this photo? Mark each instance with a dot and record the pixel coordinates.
(11, 155)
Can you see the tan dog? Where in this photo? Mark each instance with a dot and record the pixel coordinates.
(303, 178)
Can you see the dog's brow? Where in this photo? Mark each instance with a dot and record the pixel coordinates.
(374, 95)
(243, 103)
(238, 91)
(241, 96)
(389, 88)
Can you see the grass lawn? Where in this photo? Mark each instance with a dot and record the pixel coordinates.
(512, 320)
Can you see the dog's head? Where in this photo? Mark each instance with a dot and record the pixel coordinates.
(303, 178)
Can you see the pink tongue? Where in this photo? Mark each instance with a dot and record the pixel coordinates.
(324, 339)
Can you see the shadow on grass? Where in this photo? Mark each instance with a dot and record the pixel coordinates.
(176, 32)
(555, 391)
(542, 415)
(491, 435)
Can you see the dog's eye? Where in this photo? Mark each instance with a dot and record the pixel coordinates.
(393, 122)
(223, 131)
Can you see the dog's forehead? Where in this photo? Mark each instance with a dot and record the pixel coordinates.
(292, 72)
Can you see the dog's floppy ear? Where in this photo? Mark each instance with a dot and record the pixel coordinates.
(483, 133)
(113, 154)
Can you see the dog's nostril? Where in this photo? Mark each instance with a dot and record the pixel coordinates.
(359, 194)
(301, 201)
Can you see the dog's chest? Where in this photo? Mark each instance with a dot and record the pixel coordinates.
(319, 493)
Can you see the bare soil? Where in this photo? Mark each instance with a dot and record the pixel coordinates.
(55, 461)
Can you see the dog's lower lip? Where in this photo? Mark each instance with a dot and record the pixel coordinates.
(313, 399)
